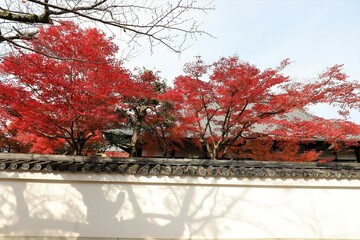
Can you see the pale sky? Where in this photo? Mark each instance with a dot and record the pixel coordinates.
(314, 34)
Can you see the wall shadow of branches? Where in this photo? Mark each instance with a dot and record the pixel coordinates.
(93, 209)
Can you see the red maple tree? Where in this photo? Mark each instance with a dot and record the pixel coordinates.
(239, 102)
(164, 134)
(68, 100)
(145, 115)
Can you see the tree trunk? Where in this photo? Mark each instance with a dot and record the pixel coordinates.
(133, 143)
(211, 150)
(213, 153)
(139, 119)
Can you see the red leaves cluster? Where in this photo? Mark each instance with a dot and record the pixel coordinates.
(68, 41)
(239, 102)
(230, 109)
(71, 99)
(266, 149)
(148, 113)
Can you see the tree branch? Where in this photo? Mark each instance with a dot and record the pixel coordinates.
(163, 24)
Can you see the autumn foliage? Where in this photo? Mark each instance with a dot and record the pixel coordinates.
(67, 102)
(229, 102)
(145, 112)
(229, 109)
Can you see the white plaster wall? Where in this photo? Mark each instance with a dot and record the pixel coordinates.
(77, 206)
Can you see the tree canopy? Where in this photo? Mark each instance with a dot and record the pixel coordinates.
(145, 116)
(71, 91)
(239, 102)
(71, 101)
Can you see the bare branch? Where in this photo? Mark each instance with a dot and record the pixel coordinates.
(166, 23)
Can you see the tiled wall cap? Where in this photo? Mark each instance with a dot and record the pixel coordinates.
(181, 167)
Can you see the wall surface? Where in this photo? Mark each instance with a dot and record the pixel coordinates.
(114, 206)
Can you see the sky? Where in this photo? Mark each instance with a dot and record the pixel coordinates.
(314, 34)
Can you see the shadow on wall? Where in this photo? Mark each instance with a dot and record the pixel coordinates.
(86, 209)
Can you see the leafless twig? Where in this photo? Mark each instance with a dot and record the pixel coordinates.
(157, 22)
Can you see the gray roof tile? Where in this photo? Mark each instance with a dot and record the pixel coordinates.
(178, 167)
